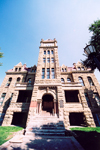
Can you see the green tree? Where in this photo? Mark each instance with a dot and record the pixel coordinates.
(1, 55)
(95, 41)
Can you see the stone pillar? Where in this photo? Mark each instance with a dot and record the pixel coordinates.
(55, 109)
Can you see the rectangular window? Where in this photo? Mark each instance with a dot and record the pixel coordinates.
(53, 73)
(44, 60)
(87, 99)
(48, 60)
(2, 98)
(48, 73)
(52, 60)
(43, 73)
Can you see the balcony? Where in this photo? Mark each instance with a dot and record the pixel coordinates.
(24, 86)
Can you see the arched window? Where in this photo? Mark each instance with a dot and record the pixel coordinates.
(18, 79)
(51, 51)
(65, 70)
(62, 70)
(62, 80)
(68, 80)
(44, 52)
(48, 52)
(79, 68)
(9, 81)
(82, 68)
(19, 69)
(81, 80)
(90, 81)
(16, 69)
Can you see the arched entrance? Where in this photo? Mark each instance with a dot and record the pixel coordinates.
(47, 103)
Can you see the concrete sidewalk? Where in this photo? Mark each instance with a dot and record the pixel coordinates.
(42, 143)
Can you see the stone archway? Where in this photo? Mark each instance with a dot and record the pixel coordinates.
(47, 103)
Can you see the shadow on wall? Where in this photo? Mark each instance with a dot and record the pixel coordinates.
(5, 107)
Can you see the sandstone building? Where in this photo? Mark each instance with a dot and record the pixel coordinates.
(70, 93)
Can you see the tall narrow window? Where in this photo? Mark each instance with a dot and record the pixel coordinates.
(18, 79)
(2, 98)
(9, 81)
(48, 60)
(43, 73)
(79, 68)
(53, 73)
(19, 69)
(62, 70)
(90, 81)
(52, 60)
(44, 52)
(44, 60)
(16, 69)
(51, 51)
(48, 73)
(87, 99)
(48, 52)
(81, 80)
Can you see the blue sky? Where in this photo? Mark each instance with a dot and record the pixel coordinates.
(23, 23)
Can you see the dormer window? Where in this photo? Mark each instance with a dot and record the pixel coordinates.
(16, 69)
(79, 68)
(19, 69)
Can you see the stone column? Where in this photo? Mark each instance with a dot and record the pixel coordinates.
(55, 109)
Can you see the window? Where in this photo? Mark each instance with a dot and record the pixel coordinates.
(90, 81)
(48, 73)
(62, 80)
(81, 80)
(19, 69)
(68, 80)
(44, 60)
(18, 79)
(97, 98)
(51, 51)
(52, 60)
(87, 99)
(44, 52)
(52, 73)
(48, 60)
(43, 73)
(96, 117)
(48, 52)
(79, 68)
(62, 70)
(16, 69)
(2, 98)
(9, 81)
(82, 68)
(65, 70)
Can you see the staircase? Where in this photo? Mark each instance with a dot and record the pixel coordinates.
(45, 125)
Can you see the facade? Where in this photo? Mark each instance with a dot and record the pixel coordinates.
(70, 93)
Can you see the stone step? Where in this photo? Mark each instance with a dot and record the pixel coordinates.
(44, 133)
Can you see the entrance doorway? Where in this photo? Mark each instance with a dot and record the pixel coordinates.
(47, 103)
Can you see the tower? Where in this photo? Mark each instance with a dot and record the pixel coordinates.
(47, 93)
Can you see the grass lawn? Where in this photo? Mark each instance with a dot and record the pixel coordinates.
(88, 137)
(6, 133)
